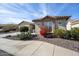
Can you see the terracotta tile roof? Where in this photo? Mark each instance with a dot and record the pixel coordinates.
(52, 18)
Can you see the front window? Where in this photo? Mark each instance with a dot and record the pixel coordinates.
(62, 23)
(48, 25)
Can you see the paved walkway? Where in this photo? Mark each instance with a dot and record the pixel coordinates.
(33, 48)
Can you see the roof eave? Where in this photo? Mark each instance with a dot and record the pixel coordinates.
(55, 18)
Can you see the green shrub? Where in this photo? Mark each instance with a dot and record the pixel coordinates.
(67, 34)
(75, 33)
(72, 34)
(24, 35)
(59, 32)
(24, 29)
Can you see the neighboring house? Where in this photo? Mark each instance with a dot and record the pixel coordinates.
(27, 24)
(72, 24)
(51, 22)
(8, 27)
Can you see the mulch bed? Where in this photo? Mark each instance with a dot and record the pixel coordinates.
(69, 44)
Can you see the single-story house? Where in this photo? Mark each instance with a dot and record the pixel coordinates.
(72, 24)
(51, 22)
(27, 24)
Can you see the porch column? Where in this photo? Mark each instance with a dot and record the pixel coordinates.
(56, 24)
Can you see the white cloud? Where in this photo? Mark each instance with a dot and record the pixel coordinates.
(10, 20)
(43, 8)
(6, 11)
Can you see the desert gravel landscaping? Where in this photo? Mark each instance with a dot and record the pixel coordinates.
(69, 44)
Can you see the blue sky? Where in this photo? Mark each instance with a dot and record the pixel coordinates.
(17, 12)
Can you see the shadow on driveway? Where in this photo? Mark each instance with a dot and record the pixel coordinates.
(3, 53)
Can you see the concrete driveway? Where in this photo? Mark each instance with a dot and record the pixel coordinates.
(33, 48)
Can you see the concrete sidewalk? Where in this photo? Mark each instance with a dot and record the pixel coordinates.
(33, 48)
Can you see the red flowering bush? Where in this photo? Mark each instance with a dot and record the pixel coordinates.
(43, 31)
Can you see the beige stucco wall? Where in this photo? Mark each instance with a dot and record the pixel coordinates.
(53, 26)
(76, 25)
(37, 29)
(68, 26)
